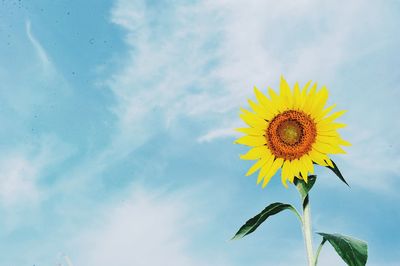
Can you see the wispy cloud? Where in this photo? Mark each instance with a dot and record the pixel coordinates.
(187, 67)
(166, 68)
(146, 228)
(206, 57)
(24, 166)
(17, 181)
(191, 63)
(40, 51)
(23, 187)
(217, 133)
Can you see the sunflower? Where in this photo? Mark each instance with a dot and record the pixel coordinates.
(292, 131)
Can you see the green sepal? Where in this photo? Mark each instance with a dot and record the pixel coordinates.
(353, 251)
(304, 187)
(337, 172)
(252, 224)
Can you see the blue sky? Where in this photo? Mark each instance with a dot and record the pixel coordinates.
(116, 129)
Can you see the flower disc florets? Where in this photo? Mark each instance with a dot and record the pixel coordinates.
(291, 134)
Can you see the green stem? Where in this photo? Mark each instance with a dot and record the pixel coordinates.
(318, 251)
(307, 231)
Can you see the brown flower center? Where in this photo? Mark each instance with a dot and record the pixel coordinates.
(291, 134)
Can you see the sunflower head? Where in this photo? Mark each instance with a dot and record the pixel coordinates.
(290, 130)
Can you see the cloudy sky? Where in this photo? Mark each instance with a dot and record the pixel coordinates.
(116, 129)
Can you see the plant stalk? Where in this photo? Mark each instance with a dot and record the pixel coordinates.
(318, 251)
(307, 231)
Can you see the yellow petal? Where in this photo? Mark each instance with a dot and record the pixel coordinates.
(327, 126)
(290, 171)
(265, 168)
(330, 133)
(275, 104)
(284, 87)
(303, 169)
(295, 169)
(272, 170)
(270, 106)
(284, 182)
(260, 110)
(329, 162)
(344, 143)
(272, 94)
(266, 181)
(303, 95)
(253, 120)
(330, 140)
(310, 99)
(308, 163)
(334, 116)
(322, 113)
(286, 96)
(296, 97)
(252, 141)
(285, 173)
(327, 148)
(256, 153)
(320, 101)
(261, 174)
(319, 158)
(334, 140)
(257, 165)
(261, 98)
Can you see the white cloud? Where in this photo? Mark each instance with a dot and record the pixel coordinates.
(373, 162)
(68, 261)
(217, 133)
(256, 42)
(162, 69)
(146, 228)
(168, 73)
(41, 53)
(17, 181)
(22, 168)
(29, 81)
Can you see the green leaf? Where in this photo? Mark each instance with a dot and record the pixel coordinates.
(336, 170)
(353, 251)
(304, 187)
(272, 209)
